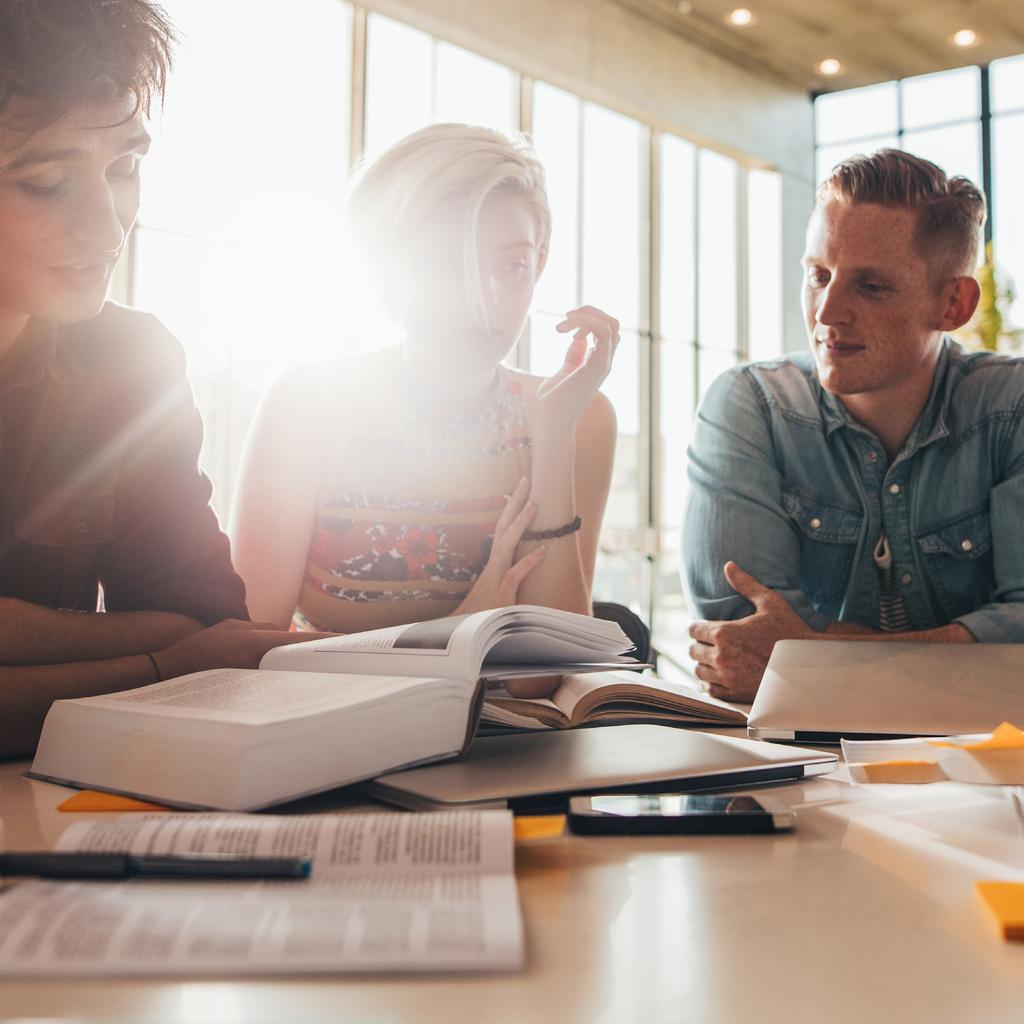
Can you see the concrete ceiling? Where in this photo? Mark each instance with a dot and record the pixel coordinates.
(875, 40)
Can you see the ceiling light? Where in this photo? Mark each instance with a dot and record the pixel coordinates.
(965, 37)
(741, 17)
(830, 66)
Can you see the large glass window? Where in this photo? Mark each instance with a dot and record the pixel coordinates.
(597, 172)
(413, 79)
(1007, 92)
(236, 248)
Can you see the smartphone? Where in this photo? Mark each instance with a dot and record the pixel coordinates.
(677, 814)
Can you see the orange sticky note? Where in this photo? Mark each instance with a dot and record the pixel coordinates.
(1006, 901)
(905, 772)
(1006, 737)
(93, 800)
(541, 826)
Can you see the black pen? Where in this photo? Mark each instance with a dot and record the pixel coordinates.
(128, 865)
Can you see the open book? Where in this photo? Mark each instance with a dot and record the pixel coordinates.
(315, 715)
(606, 698)
(389, 892)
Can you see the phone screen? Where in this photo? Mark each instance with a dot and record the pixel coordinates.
(672, 805)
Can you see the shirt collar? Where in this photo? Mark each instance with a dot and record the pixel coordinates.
(38, 354)
(931, 424)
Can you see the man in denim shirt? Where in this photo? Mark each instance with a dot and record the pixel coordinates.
(873, 486)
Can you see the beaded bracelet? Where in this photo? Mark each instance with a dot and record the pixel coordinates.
(561, 531)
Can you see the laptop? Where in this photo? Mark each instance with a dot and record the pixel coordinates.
(819, 691)
(538, 772)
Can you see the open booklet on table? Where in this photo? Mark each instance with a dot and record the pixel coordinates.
(388, 892)
(315, 715)
(609, 698)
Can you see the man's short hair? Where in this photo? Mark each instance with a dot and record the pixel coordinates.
(57, 54)
(950, 211)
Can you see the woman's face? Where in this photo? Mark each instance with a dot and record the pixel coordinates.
(431, 300)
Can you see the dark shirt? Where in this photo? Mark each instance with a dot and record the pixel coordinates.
(102, 503)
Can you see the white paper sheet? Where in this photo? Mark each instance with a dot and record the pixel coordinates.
(389, 892)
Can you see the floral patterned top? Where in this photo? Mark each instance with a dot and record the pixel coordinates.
(411, 544)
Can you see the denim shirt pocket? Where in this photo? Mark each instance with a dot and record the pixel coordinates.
(959, 560)
(829, 535)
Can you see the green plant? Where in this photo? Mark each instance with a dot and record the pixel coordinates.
(987, 328)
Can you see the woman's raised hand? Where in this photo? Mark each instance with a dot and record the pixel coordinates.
(563, 397)
(498, 585)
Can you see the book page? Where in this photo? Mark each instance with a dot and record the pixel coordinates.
(437, 647)
(340, 845)
(389, 892)
(451, 922)
(584, 694)
(249, 695)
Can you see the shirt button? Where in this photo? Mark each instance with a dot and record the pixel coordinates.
(906, 579)
(83, 526)
(815, 523)
(894, 488)
(966, 544)
(872, 456)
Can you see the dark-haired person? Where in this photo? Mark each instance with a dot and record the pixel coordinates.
(101, 501)
(874, 486)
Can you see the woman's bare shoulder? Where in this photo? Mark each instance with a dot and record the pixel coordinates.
(331, 384)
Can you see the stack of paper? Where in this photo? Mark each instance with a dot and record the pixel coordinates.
(389, 892)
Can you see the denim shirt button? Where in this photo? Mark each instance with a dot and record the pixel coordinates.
(872, 456)
(906, 579)
(966, 544)
(894, 488)
(815, 523)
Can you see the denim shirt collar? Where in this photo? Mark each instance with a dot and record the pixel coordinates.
(931, 424)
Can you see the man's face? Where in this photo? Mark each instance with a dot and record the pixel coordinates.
(69, 194)
(872, 312)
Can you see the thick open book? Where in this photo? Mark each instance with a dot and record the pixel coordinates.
(389, 892)
(606, 698)
(315, 715)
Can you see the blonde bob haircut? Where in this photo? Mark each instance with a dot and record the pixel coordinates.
(441, 169)
(950, 211)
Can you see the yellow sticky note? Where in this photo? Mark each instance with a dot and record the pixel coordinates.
(1006, 737)
(541, 826)
(93, 800)
(1006, 901)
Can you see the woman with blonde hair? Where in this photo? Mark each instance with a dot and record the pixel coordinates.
(427, 478)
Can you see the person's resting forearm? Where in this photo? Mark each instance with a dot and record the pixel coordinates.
(954, 633)
(558, 582)
(26, 693)
(33, 635)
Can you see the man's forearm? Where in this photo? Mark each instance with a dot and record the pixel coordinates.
(954, 633)
(26, 693)
(33, 635)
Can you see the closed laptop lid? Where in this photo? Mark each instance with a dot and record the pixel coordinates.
(595, 760)
(813, 689)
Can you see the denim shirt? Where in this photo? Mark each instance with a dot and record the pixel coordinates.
(784, 482)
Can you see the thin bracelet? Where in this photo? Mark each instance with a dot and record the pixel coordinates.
(561, 531)
(156, 668)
